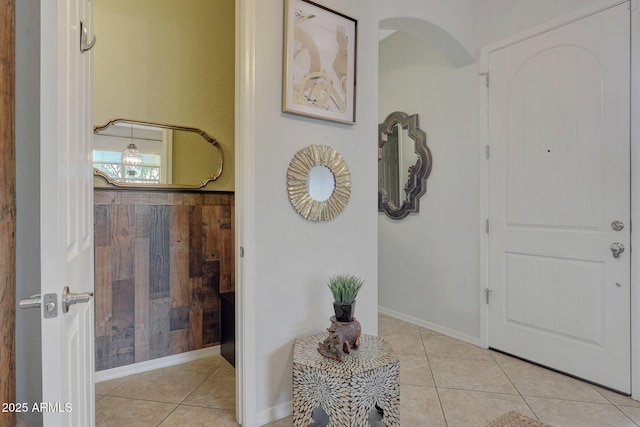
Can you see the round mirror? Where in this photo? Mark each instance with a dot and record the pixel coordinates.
(320, 183)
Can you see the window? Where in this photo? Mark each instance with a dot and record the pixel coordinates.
(152, 143)
(110, 162)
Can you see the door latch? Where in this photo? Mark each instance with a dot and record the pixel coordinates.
(50, 302)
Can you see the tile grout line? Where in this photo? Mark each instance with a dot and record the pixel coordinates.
(192, 391)
(593, 387)
(608, 401)
(183, 404)
(142, 400)
(199, 385)
(604, 403)
(623, 413)
(597, 389)
(125, 380)
(514, 386)
(435, 386)
(168, 415)
(177, 405)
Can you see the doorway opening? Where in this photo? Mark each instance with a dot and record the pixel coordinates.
(165, 257)
(428, 262)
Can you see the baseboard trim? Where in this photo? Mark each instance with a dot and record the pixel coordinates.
(434, 327)
(150, 365)
(274, 413)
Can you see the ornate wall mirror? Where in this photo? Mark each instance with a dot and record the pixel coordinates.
(318, 183)
(404, 164)
(132, 153)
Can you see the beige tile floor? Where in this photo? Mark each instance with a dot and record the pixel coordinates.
(443, 382)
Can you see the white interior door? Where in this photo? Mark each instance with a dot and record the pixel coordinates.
(66, 190)
(559, 176)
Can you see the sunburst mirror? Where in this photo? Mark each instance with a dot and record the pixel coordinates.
(318, 183)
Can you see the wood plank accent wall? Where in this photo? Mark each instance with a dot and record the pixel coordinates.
(162, 258)
(7, 210)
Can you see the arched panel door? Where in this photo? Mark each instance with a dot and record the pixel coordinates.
(559, 178)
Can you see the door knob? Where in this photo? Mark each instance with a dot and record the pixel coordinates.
(69, 298)
(617, 249)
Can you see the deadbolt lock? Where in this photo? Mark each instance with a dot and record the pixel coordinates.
(617, 225)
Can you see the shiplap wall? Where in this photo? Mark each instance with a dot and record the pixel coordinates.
(162, 258)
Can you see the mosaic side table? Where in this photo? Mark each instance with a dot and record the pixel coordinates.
(367, 379)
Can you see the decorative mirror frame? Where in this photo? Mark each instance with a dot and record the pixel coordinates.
(208, 138)
(298, 189)
(416, 185)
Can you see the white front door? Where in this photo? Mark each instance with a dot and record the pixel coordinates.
(66, 196)
(559, 177)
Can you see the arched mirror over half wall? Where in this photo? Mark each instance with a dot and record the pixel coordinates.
(404, 164)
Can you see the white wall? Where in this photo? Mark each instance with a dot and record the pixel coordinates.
(28, 360)
(429, 262)
(295, 257)
(498, 19)
(450, 23)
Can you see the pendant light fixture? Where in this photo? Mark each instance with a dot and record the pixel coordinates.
(131, 157)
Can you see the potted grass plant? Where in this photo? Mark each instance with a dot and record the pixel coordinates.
(345, 288)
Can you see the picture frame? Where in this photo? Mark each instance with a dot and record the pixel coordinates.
(319, 72)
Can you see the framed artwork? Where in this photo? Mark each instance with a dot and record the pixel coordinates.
(319, 62)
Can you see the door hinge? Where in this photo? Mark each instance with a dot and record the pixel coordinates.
(487, 152)
(486, 225)
(487, 292)
(486, 78)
